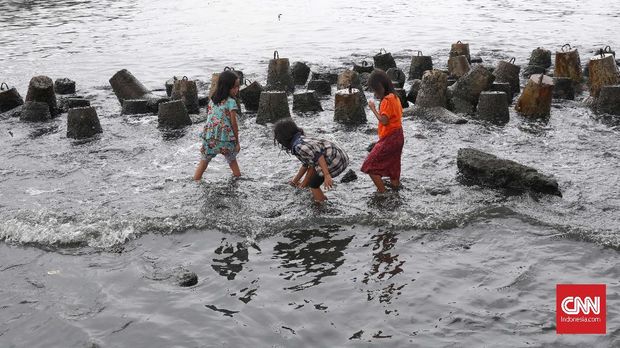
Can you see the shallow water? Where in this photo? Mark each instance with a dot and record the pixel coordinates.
(116, 214)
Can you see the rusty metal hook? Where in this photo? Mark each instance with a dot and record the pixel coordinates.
(569, 47)
(419, 53)
(4, 84)
(512, 60)
(185, 78)
(276, 55)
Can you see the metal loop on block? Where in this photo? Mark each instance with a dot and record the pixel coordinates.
(4, 84)
(382, 49)
(419, 53)
(512, 60)
(276, 55)
(459, 42)
(185, 78)
(364, 63)
(569, 47)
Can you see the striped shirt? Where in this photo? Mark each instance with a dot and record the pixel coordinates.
(309, 150)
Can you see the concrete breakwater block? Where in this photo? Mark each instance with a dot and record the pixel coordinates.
(563, 88)
(419, 64)
(568, 64)
(153, 103)
(397, 76)
(306, 102)
(349, 109)
(433, 89)
(64, 104)
(464, 93)
(384, 60)
(41, 89)
(83, 123)
(402, 95)
(363, 67)
(186, 91)
(279, 76)
(609, 100)
(540, 57)
(603, 71)
(321, 87)
(33, 111)
(412, 94)
(535, 101)
(433, 114)
(508, 72)
(9, 98)
(250, 95)
(300, 72)
(458, 66)
(330, 77)
(273, 106)
(503, 87)
(173, 114)
(135, 107)
(460, 49)
(485, 169)
(64, 86)
(350, 78)
(127, 86)
(169, 84)
(493, 107)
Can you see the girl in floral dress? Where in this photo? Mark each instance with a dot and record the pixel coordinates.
(221, 132)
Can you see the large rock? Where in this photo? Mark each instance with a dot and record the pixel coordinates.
(484, 169)
(82, 123)
(433, 114)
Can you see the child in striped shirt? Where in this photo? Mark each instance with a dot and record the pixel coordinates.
(322, 160)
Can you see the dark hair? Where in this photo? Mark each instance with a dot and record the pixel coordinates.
(283, 133)
(225, 83)
(378, 78)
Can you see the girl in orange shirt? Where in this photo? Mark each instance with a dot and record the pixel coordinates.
(384, 159)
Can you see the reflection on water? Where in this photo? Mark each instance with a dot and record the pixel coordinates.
(311, 255)
(231, 260)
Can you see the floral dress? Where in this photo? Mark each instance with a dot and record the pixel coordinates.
(218, 136)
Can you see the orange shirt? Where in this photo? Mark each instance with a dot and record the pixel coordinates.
(390, 107)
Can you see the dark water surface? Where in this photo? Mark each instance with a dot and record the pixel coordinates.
(93, 231)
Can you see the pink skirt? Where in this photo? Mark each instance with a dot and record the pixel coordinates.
(384, 159)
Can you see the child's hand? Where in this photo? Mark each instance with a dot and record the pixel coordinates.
(371, 105)
(329, 182)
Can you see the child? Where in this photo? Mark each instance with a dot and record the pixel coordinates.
(221, 132)
(321, 160)
(384, 159)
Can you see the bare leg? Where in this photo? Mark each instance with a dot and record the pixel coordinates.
(234, 166)
(200, 169)
(317, 195)
(395, 183)
(378, 182)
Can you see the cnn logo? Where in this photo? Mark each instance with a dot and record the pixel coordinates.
(581, 309)
(575, 305)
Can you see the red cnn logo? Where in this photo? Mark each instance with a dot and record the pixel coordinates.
(580, 309)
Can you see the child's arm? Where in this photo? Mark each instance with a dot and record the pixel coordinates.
(381, 118)
(300, 174)
(328, 178)
(235, 126)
